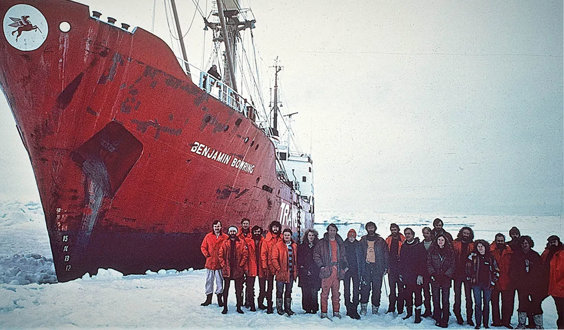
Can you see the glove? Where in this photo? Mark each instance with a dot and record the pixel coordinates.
(419, 280)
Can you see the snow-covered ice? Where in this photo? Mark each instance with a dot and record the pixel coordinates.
(169, 298)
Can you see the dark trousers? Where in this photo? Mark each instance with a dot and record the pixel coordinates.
(409, 292)
(395, 296)
(482, 295)
(310, 300)
(559, 301)
(507, 304)
(266, 286)
(372, 281)
(284, 289)
(458, 298)
(427, 293)
(238, 290)
(352, 276)
(250, 290)
(441, 292)
(529, 302)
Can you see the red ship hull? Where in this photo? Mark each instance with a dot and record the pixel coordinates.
(132, 160)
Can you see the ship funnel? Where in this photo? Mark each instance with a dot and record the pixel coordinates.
(125, 26)
(111, 20)
(96, 14)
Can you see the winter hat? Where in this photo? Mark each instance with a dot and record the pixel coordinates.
(233, 227)
(353, 232)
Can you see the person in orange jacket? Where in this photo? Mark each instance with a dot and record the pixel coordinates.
(210, 249)
(272, 237)
(462, 245)
(233, 255)
(252, 269)
(502, 253)
(394, 242)
(330, 256)
(553, 257)
(246, 235)
(284, 259)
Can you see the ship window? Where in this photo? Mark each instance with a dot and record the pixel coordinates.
(310, 169)
(282, 156)
(64, 27)
(267, 188)
(304, 179)
(256, 148)
(226, 128)
(238, 122)
(246, 140)
(207, 118)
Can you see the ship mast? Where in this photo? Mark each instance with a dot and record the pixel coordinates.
(275, 108)
(179, 31)
(228, 49)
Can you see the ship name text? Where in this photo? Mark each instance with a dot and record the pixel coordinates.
(221, 157)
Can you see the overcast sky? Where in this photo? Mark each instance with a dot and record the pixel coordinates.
(406, 106)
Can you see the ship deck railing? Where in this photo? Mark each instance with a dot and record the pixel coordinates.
(221, 91)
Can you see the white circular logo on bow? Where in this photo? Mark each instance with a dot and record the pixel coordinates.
(25, 27)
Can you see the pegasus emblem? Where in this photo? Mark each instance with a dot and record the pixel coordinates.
(22, 24)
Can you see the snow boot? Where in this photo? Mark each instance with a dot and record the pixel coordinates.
(418, 315)
(253, 308)
(279, 309)
(324, 315)
(531, 324)
(288, 306)
(522, 318)
(208, 300)
(427, 312)
(459, 319)
(375, 309)
(269, 309)
(409, 313)
(337, 315)
(538, 321)
(363, 309)
(220, 299)
(224, 311)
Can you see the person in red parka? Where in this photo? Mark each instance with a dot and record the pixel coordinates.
(272, 237)
(245, 234)
(233, 255)
(553, 257)
(462, 245)
(252, 270)
(210, 249)
(502, 253)
(284, 259)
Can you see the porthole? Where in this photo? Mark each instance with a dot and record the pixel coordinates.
(246, 140)
(226, 128)
(238, 122)
(252, 143)
(256, 148)
(64, 27)
(207, 118)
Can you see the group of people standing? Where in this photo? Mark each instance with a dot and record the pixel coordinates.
(420, 273)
